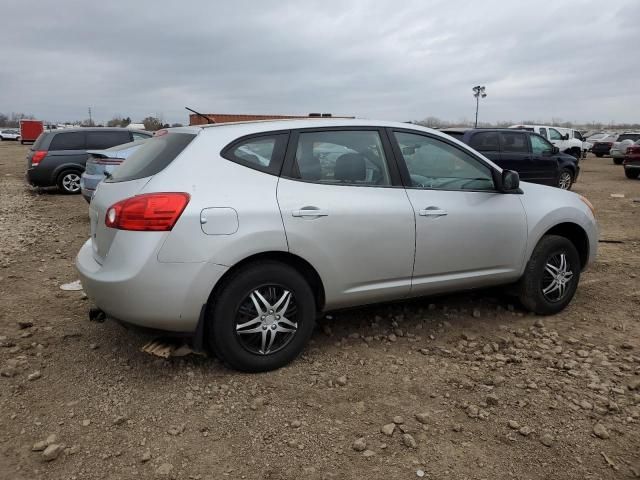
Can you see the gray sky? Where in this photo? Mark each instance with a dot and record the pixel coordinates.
(396, 60)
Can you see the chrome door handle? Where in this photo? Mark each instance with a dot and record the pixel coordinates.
(309, 212)
(432, 212)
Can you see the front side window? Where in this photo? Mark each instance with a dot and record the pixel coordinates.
(578, 135)
(262, 152)
(434, 164)
(513, 142)
(485, 142)
(346, 157)
(540, 146)
(68, 141)
(554, 134)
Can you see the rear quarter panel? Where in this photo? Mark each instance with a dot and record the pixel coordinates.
(215, 182)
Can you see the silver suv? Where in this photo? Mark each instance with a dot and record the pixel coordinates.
(240, 235)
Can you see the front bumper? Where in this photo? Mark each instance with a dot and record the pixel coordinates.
(147, 293)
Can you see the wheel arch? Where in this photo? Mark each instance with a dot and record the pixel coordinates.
(300, 264)
(576, 235)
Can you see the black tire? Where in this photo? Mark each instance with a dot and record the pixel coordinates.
(565, 179)
(618, 161)
(234, 301)
(536, 276)
(631, 174)
(68, 182)
(599, 155)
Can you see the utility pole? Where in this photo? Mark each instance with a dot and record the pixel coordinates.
(90, 119)
(478, 91)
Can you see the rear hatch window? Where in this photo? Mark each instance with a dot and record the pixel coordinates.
(152, 157)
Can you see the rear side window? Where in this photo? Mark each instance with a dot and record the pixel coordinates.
(485, 142)
(342, 158)
(264, 152)
(106, 139)
(543, 132)
(68, 141)
(152, 157)
(513, 142)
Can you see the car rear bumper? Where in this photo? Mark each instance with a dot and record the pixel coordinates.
(39, 177)
(147, 293)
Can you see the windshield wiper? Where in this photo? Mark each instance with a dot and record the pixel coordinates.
(108, 175)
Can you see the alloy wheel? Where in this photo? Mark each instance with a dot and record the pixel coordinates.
(71, 182)
(565, 181)
(557, 277)
(266, 320)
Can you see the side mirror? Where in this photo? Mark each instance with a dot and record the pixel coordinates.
(510, 181)
(565, 136)
(555, 150)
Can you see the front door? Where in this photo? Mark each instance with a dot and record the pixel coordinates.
(346, 213)
(545, 160)
(467, 233)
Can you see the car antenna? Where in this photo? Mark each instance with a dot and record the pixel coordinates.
(209, 121)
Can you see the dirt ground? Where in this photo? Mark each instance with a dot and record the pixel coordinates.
(478, 389)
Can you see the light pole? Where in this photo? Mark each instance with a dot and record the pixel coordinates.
(478, 91)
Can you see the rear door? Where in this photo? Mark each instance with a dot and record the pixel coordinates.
(345, 212)
(516, 155)
(68, 147)
(546, 164)
(100, 140)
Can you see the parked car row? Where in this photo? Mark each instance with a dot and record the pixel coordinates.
(240, 235)
(631, 160)
(58, 157)
(534, 158)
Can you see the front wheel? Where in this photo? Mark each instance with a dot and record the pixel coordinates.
(618, 161)
(69, 182)
(631, 173)
(262, 318)
(551, 277)
(565, 180)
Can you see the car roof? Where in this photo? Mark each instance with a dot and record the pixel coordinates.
(250, 127)
(97, 129)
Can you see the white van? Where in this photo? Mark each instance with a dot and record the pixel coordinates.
(567, 140)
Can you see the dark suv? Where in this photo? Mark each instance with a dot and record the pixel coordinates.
(532, 156)
(58, 157)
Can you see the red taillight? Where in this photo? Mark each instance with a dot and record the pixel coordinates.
(37, 157)
(108, 161)
(155, 212)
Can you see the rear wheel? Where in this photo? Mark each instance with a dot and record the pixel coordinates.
(630, 173)
(565, 180)
(69, 182)
(262, 318)
(618, 161)
(599, 155)
(551, 277)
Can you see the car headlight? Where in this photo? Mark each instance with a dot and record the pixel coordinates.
(588, 204)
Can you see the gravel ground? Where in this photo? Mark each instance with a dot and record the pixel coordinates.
(465, 386)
